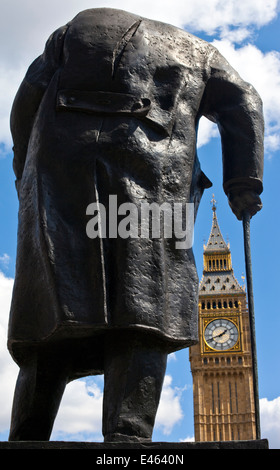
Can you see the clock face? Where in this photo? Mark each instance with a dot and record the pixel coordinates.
(221, 334)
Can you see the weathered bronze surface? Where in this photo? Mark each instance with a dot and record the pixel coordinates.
(112, 107)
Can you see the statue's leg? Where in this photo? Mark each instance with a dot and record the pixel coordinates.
(39, 389)
(133, 378)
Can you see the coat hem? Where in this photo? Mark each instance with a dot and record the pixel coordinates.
(18, 347)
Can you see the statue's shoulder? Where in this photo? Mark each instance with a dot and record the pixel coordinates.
(168, 35)
(105, 16)
(177, 35)
(117, 16)
(183, 45)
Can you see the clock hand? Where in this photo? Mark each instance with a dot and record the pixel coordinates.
(220, 334)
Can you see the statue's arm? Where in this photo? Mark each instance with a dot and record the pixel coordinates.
(236, 107)
(29, 96)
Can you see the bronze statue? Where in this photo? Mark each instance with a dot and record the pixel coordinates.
(112, 107)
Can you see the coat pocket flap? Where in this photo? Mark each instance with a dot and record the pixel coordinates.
(103, 102)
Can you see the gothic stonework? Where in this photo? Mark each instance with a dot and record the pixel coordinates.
(221, 362)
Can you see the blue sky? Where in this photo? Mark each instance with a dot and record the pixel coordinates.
(247, 34)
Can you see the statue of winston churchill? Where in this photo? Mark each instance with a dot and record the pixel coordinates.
(112, 107)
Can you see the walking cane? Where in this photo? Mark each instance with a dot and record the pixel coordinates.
(248, 264)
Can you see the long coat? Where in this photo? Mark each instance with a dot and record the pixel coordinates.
(112, 107)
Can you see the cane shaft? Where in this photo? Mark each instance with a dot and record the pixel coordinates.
(249, 277)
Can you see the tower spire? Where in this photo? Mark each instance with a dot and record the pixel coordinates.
(213, 202)
(218, 271)
(216, 242)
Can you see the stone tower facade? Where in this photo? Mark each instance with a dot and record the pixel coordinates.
(221, 363)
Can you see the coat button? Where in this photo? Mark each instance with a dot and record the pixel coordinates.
(137, 105)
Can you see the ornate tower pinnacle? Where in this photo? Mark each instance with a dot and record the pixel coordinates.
(213, 201)
(217, 260)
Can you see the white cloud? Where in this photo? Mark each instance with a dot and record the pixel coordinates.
(169, 411)
(235, 35)
(80, 412)
(10, 79)
(270, 421)
(4, 260)
(25, 26)
(172, 357)
(198, 15)
(188, 439)
(262, 70)
(206, 131)
(8, 369)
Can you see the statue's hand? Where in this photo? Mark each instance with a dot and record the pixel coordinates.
(244, 200)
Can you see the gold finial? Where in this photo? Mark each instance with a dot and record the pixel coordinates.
(213, 201)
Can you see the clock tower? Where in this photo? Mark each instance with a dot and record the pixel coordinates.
(221, 363)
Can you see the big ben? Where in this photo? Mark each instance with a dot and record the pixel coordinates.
(221, 363)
